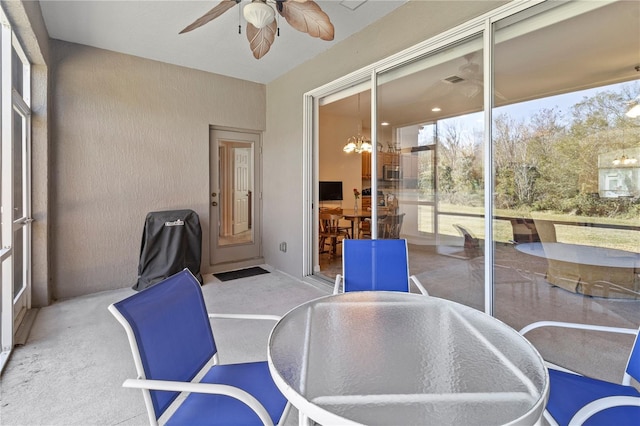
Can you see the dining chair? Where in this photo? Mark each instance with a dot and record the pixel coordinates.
(376, 265)
(389, 226)
(581, 400)
(472, 247)
(177, 365)
(331, 232)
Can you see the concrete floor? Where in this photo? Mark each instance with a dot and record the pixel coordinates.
(71, 369)
(76, 356)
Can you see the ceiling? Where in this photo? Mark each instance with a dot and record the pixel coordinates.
(149, 29)
(562, 56)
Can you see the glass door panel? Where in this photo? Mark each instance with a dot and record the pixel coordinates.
(566, 160)
(429, 166)
(21, 221)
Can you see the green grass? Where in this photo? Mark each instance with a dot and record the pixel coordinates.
(604, 237)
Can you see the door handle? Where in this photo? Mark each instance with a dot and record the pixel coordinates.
(213, 203)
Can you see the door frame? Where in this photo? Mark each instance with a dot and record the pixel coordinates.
(15, 304)
(232, 256)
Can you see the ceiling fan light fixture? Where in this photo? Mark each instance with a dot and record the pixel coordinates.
(258, 13)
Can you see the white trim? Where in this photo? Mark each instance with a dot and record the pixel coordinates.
(373, 83)
(487, 50)
(309, 176)
(6, 193)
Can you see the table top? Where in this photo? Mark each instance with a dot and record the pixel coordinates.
(581, 254)
(400, 358)
(360, 213)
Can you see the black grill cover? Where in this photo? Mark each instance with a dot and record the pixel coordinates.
(171, 241)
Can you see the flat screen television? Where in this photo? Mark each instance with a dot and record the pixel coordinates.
(330, 190)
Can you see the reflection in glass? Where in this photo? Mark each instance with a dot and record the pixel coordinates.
(435, 136)
(567, 233)
(562, 163)
(236, 193)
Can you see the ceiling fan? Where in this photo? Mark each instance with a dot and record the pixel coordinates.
(303, 15)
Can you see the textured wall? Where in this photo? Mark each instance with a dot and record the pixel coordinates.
(130, 136)
(408, 25)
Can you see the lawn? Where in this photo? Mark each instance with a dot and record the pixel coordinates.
(623, 239)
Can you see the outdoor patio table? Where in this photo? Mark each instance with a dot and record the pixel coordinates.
(400, 358)
(590, 270)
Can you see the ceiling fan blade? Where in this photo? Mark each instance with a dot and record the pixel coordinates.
(261, 39)
(307, 17)
(220, 8)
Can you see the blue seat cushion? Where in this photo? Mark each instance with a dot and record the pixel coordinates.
(200, 409)
(570, 392)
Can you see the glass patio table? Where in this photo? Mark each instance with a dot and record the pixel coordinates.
(400, 358)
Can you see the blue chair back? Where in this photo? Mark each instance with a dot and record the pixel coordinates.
(633, 365)
(375, 265)
(172, 331)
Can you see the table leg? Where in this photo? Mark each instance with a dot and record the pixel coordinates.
(355, 233)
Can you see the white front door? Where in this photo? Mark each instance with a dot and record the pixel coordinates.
(234, 197)
(241, 189)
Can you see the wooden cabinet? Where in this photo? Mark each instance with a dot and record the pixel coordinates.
(366, 166)
(366, 202)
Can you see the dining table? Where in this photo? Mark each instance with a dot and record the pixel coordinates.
(381, 358)
(356, 217)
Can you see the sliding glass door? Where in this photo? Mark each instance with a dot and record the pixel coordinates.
(566, 162)
(510, 148)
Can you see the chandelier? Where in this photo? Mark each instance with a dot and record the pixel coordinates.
(358, 143)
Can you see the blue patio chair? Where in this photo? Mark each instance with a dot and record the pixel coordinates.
(580, 400)
(176, 361)
(375, 265)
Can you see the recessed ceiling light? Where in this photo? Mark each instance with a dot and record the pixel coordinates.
(436, 109)
(384, 123)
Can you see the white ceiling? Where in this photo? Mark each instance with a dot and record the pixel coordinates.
(150, 28)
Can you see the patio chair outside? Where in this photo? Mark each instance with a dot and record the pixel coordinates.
(375, 265)
(176, 361)
(578, 400)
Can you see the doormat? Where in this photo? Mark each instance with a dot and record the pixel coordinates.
(240, 273)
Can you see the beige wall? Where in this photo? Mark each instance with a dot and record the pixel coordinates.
(131, 136)
(336, 164)
(283, 192)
